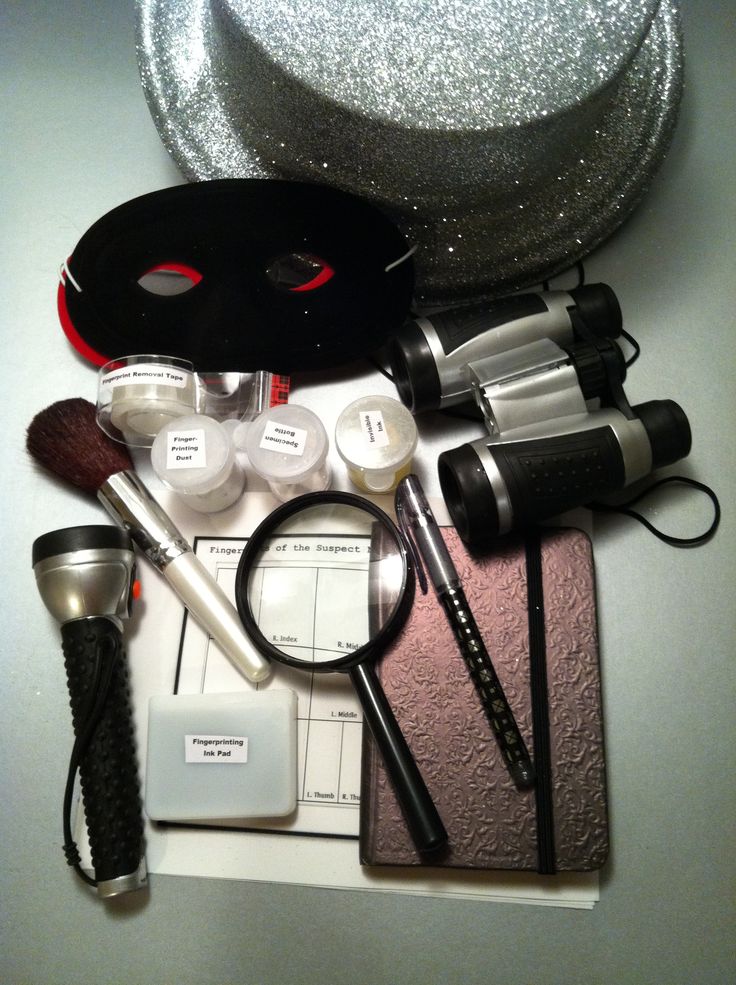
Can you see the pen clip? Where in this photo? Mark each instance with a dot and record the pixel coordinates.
(411, 545)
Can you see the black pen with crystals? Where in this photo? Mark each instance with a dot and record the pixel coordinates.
(420, 527)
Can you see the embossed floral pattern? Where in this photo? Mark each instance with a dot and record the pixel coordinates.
(491, 823)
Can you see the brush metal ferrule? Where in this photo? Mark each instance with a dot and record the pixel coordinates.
(131, 505)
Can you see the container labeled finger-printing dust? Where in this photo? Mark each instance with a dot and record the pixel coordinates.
(287, 446)
(138, 395)
(376, 438)
(195, 457)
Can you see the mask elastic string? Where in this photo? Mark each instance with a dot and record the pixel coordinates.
(625, 509)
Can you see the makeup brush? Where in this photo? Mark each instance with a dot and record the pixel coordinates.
(65, 439)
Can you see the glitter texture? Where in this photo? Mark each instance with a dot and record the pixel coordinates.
(505, 138)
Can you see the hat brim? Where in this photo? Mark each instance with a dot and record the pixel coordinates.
(533, 235)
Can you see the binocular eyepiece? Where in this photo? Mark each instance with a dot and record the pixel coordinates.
(547, 374)
(430, 355)
(492, 487)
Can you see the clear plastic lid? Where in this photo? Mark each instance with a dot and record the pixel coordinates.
(285, 443)
(193, 455)
(377, 436)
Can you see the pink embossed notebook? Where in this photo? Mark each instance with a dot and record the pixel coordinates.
(534, 602)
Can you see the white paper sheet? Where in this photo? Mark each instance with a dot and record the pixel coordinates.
(329, 717)
(153, 638)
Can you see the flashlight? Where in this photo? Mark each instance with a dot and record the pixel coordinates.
(86, 578)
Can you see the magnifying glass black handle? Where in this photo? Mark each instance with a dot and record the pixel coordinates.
(421, 815)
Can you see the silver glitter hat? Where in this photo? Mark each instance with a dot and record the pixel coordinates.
(506, 138)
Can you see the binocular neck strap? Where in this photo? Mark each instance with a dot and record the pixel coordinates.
(626, 510)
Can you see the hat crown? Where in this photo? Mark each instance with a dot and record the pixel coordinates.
(454, 64)
(506, 138)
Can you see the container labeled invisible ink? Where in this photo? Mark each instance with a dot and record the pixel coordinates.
(376, 438)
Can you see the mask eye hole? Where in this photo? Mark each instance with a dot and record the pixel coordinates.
(169, 279)
(299, 272)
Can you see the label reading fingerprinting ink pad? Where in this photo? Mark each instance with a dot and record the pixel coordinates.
(215, 749)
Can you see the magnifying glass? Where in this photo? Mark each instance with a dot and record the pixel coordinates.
(323, 585)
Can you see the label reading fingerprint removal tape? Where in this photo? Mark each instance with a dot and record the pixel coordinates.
(281, 437)
(215, 749)
(145, 373)
(186, 449)
(374, 429)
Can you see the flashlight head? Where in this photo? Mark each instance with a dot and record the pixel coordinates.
(85, 571)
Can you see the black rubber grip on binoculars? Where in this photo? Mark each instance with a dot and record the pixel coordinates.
(548, 476)
(108, 768)
(457, 326)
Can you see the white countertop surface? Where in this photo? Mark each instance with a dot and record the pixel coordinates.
(77, 141)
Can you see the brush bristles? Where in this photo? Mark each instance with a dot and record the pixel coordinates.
(66, 439)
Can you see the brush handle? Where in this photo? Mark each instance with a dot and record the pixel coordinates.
(97, 677)
(209, 605)
(129, 502)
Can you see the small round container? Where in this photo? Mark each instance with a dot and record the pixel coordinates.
(138, 395)
(376, 438)
(287, 446)
(195, 457)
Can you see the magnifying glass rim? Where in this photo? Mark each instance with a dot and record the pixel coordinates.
(254, 545)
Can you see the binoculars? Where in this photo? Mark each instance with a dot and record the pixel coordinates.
(547, 375)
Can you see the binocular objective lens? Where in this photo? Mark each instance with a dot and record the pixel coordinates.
(668, 430)
(414, 370)
(468, 495)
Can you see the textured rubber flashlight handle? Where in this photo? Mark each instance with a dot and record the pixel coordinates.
(108, 766)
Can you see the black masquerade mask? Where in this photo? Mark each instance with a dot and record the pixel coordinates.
(262, 274)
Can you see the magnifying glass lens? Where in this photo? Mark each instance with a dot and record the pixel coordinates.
(324, 583)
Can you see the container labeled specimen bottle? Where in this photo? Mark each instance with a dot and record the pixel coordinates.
(195, 457)
(287, 446)
(376, 438)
